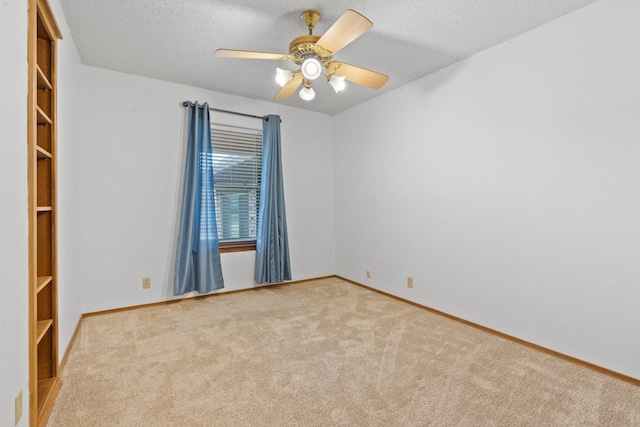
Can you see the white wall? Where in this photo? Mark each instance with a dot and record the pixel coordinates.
(14, 231)
(132, 160)
(69, 151)
(508, 186)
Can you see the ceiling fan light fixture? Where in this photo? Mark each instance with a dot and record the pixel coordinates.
(311, 68)
(283, 76)
(313, 54)
(307, 93)
(337, 83)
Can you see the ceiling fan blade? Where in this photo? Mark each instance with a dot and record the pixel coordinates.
(361, 76)
(248, 54)
(290, 87)
(346, 29)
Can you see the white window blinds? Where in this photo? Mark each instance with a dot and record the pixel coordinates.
(237, 163)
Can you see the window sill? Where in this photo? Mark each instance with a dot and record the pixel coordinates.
(239, 247)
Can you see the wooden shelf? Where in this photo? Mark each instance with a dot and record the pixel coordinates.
(43, 81)
(47, 391)
(43, 327)
(44, 386)
(44, 375)
(42, 153)
(42, 281)
(43, 118)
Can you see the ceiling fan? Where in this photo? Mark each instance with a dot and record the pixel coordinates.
(314, 53)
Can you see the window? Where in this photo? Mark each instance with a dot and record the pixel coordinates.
(237, 165)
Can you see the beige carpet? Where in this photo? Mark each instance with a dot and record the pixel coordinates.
(321, 353)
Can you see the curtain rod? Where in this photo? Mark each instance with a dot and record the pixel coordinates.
(185, 104)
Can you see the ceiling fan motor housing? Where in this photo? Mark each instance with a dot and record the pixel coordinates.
(301, 47)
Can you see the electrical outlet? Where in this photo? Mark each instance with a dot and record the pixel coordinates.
(368, 273)
(410, 282)
(146, 282)
(18, 406)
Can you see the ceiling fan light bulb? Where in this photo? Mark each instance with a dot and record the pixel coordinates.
(311, 68)
(283, 76)
(307, 93)
(337, 82)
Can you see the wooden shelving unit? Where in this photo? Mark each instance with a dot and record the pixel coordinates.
(44, 381)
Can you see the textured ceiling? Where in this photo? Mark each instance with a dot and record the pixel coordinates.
(175, 40)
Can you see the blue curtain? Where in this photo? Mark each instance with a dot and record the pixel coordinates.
(198, 265)
(272, 243)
